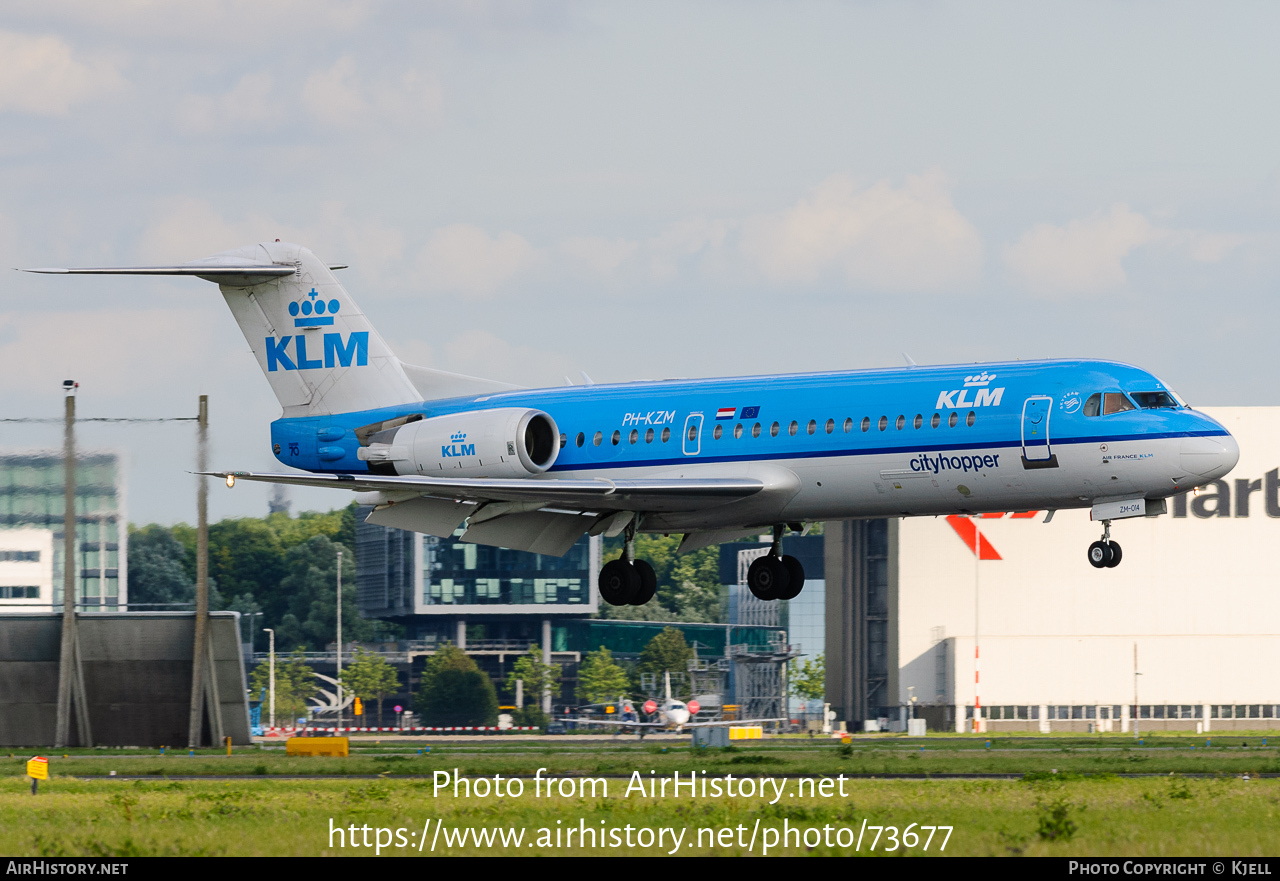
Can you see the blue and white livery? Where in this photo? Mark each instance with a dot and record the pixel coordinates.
(713, 459)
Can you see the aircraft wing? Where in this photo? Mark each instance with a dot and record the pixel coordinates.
(651, 495)
(619, 724)
(734, 722)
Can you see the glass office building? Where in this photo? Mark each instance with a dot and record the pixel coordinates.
(31, 532)
(429, 583)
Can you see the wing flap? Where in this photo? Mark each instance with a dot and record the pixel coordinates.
(538, 532)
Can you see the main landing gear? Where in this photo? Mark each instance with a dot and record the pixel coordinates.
(773, 576)
(628, 581)
(631, 582)
(1105, 553)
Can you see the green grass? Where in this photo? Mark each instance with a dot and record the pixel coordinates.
(868, 757)
(1102, 795)
(1056, 815)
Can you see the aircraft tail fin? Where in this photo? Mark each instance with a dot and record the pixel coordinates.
(316, 348)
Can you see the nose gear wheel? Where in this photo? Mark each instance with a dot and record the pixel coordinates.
(1105, 553)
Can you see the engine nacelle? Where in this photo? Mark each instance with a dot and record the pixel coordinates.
(507, 442)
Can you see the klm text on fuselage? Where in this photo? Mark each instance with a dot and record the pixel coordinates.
(959, 398)
(336, 352)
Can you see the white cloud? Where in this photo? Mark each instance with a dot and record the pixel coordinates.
(39, 74)
(481, 353)
(187, 229)
(249, 104)
(1205, 247)
(910, 238)
(681, 241)
(341, 98)
(466, 259)
(1084, 257)
(120, 352)
(598, 255)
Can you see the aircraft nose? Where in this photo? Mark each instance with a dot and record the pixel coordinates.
(1209, 458)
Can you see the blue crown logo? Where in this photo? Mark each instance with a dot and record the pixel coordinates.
(313, 309)
(458, 437)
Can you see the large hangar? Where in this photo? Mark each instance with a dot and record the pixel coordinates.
(1184, 633)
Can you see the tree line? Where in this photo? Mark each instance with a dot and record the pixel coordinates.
(454, 691)
(280, 566)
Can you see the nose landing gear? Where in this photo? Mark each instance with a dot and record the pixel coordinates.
(1105, 553)
(774, 576)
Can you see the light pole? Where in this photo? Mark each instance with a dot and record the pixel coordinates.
(977, 659)
(271, 677)
(62, 721)
(338, 656)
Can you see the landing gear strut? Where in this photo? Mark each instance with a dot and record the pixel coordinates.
(774, 576)
(628, 581)
(1105, 553)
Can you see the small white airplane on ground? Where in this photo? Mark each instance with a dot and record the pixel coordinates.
(673, 715)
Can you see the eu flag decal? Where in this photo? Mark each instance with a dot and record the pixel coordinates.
(750, 412)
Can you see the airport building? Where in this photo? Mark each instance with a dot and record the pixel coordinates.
(31, 533)
(1183, 634)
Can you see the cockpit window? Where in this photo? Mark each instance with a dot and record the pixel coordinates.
(1155, 400)
(1115, 402)
(1093, 405)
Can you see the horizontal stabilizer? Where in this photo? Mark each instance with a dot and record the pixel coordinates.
(239, 274)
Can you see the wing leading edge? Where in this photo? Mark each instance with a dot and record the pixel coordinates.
(656, 494)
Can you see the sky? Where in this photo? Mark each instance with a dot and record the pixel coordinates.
(528, 190)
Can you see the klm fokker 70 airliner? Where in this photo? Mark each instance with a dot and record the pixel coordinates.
(713, 459)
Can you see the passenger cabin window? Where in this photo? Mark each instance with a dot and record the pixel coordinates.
(831, 426)
(848, 424)
(792, 430)
(596, 440)
(755, 432)
(737, 433)
(716, 434)
(1115, 402)
(968, 420)
(666, 435)
(1093, 405)
(773, 432)
(812, 428)
(884, 423)
(900, 422)
(866, 424)
(564, 439)
(935, 421)
(635, 436)
(582, 439)
(918, 421)
(648, 436)
(617, 436)
(1155, 400)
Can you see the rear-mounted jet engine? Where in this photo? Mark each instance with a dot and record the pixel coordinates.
(508, 442)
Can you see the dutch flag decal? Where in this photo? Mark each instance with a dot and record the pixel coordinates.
(726, 412)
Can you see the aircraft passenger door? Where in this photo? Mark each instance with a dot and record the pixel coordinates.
(1037, 450)
(693, 434)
